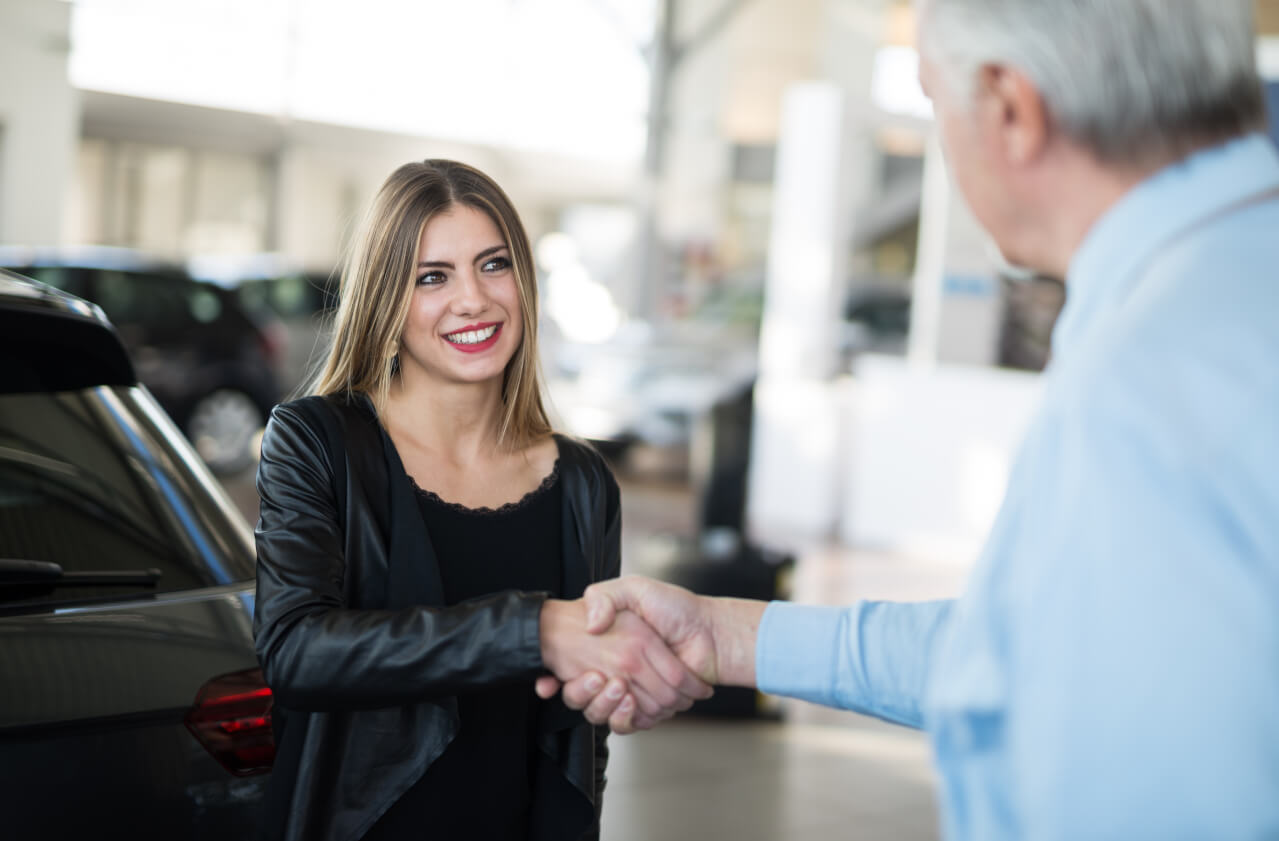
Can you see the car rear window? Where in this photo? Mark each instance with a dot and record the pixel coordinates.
(66, 278)
(89, 480)
(163, 301)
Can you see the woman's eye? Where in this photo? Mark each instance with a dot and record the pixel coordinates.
(430, 279)
(496, 264)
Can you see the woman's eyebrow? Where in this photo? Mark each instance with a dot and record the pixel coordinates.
(445, 264)
(488, 252)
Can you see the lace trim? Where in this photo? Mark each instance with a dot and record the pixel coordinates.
(507, 508)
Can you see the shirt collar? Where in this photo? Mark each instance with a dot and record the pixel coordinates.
(1167, 203)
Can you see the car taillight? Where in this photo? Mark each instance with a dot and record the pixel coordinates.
(232, 719)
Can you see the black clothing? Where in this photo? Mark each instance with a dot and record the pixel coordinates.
(364, 659)
(481, 786)
(518, 543)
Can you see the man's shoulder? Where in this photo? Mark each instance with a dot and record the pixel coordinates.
(1213, 295)
(1186, 360)
(1241, 239)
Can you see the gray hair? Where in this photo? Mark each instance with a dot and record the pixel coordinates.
(1131, 80)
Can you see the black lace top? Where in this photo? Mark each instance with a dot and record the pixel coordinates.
(481, 787)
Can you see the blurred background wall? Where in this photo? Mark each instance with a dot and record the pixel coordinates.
(726, 195)
(39, 121)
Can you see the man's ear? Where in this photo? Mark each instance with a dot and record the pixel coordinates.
(1013, 115)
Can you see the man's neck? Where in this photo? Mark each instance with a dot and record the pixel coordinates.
(1082, 191)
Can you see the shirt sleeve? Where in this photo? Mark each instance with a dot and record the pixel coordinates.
(870, 657)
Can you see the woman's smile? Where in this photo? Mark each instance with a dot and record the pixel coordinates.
(475, 338)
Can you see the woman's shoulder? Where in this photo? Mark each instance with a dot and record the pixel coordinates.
(330, 423)
(578, 459)
(578, 453)
(320, 409)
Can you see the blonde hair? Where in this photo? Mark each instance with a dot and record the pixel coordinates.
(377, 285)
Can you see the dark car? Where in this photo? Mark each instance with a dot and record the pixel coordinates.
(876, 319)
(131, 702)
(304, 302)
(210, 363)
(279, 290)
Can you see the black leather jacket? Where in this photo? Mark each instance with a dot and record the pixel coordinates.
(363, 659)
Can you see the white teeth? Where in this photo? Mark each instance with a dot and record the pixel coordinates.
(472, 337)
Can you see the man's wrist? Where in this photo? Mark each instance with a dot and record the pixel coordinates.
(733, 625)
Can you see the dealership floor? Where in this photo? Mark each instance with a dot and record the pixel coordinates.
(806, 775)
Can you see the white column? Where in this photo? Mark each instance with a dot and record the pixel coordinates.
(39, 121)
(794, 475)
(930, 258)
(957, 307)
(807, 242)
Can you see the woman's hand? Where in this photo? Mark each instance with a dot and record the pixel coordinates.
(714, 637)
(629, 653)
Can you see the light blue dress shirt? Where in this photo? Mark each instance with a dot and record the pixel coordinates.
(1112, 670)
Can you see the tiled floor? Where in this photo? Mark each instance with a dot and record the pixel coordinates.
(814, 774)
(817, 773)
(769, 782)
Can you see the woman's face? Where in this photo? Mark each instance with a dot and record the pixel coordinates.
(464, 321)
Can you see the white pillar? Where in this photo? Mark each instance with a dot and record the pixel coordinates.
(930, 259)
(806, 247)
(956, 308)
(794, 474)
(39, 121)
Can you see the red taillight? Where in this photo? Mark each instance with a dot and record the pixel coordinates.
(232, 719)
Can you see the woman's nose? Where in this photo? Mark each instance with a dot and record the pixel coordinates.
(469, 297)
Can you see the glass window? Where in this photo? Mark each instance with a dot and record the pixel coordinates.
(204, 305)
(87, 482)
(144, 299)
(60, 277)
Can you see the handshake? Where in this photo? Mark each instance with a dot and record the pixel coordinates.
(634, 651)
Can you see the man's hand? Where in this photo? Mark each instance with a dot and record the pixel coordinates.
(715, 639)
(628, 651)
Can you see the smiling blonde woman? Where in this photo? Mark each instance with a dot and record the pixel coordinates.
(424, 541)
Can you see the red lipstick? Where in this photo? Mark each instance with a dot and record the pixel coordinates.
(478, 346)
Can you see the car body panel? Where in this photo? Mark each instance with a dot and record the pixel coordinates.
(96, 680)
(99, 741)
(114, 659)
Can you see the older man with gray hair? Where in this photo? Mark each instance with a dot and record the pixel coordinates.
(1112, 671)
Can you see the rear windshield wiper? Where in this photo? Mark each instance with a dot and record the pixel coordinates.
(46, 574)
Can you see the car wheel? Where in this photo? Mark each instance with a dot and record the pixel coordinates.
(224, 427)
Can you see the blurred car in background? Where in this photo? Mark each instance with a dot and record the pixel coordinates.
(131, 703)
(212, 364)
(645, 388)
(276, 289)
(654, 383)
(876, 319)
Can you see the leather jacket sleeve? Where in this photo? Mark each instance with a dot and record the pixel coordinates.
(320, 653)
